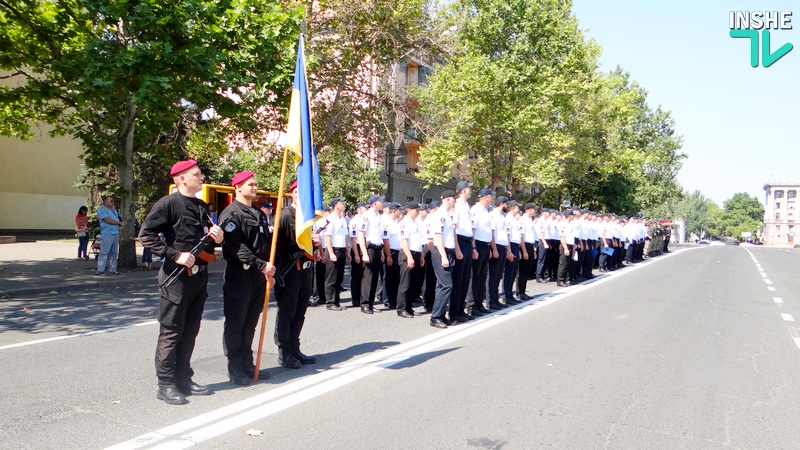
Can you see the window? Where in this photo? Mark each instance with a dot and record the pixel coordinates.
(777, 216)
(791, 194)
(410, 198)
(777, 228)
(791, 227)
(778, 194)
(777, 205)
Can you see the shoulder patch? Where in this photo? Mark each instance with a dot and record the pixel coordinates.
(230, 227)
(443, 220)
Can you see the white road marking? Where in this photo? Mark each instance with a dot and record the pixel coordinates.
(70, 336)
(770, 288)
(767, 280)
(778, 300)
(787, 317)
(764, 274)
(274, 401)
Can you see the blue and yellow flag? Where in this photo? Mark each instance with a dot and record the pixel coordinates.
(298, 133)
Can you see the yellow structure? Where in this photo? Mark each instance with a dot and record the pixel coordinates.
(37, 180)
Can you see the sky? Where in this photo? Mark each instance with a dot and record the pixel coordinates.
(739, 124)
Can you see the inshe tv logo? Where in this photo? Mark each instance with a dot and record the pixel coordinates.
(747, 24)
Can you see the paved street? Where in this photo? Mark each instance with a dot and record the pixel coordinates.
(697, 349)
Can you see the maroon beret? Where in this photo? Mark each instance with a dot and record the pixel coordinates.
(180, 166)
(293, 186)
(241, 176)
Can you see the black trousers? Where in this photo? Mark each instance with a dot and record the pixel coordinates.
(391, 279)
(369, 282)
(511, 269)
(480, 271)
(542, 259)
(496, 268)
(461, 275)
(356, 275)
(603, 257)
(591, 255)
(526, 266)
(292, 300)
(410, 281)
(553, 258)
(243, 296)
(179, 314)
(319, 281)
(564, 263)
(430, 281)
(444, 283)
(334, 275)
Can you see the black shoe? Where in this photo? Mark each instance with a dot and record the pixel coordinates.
(463, 318)
(304, 359)
(476, 313)
(512, 301)
(561, 284)
(525, 297)
(374, 311)
(483, 310)
(438, 323)
(496, 306)
(333, 307)
(366, 310)
(446, 321)
(171, 395)
(288, 361)
(405, 314)
(193, 388)
(239, 378)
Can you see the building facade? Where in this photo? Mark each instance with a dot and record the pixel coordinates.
(781, 213)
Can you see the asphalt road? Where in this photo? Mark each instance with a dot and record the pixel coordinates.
(691, 350)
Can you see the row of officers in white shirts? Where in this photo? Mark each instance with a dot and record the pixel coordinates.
(450, 246)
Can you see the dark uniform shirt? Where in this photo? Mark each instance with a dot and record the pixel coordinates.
(287, 239)
(184, 222)
(248, 236)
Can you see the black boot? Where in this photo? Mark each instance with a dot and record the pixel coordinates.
(286, 359)
(171, 395)
(236, 371)
(304, 359)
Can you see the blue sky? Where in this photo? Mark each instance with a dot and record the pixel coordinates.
(739, 124)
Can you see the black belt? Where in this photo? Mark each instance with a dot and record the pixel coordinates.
(481, 243)
(375, 246)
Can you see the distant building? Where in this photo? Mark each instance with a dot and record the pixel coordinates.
(781, 212)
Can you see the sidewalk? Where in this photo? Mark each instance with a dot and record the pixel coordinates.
(41, 267)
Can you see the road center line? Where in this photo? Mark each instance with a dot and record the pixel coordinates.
(787, 317)
(778, 300)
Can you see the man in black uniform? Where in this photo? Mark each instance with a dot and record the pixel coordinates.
(246, 251)
(184, 220)
(293, 289)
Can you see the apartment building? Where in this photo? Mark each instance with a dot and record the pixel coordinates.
(781, 212)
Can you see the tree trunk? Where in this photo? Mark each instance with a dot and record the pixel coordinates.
(127, 236)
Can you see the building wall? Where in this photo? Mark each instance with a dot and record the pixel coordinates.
(36, 182)
(781, 213)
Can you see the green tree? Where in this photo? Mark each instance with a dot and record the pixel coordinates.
(118, 75)
(742, 213)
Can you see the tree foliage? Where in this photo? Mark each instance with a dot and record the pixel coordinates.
(521, 102)
(743, 213)
(119, 75)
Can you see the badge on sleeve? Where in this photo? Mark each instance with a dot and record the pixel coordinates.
(230, 227)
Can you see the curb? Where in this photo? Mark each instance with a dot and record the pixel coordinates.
(84, 285)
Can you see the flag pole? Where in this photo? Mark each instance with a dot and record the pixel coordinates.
(272, 258)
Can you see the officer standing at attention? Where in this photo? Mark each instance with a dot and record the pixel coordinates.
(371, 245)
(336, 246)
(184, 220)
(356, 265)
(246, 252)
(443, 257)
(391, 253)
(293, 290)
(465, 252)
(412, 270)
(485, 249)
